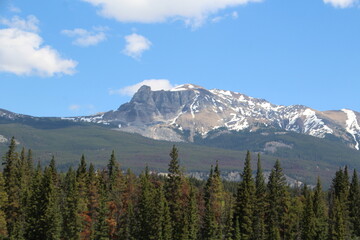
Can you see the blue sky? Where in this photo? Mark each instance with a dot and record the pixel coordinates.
(79, 57)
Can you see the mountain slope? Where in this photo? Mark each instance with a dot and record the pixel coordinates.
(188, 110)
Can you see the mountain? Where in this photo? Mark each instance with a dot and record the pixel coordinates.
(209, 125)
(189, 112)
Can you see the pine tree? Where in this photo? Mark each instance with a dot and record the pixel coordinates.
(192, 213)
(212, 225)
(116, 188)
(354, 205)
(146, 209)
(3, 203)
(101, 225)
(308, 218)
(93, 200)
(51, 210)
(293, 209)
(245, 201)
(34, 208)
(83, 201)
(337, 229)
(173, 193)
(277, 203)
(128, 223)
(339, 213)
(162, 216)
(320, 217)
(260, 203)
(71, 220)
(12, 177)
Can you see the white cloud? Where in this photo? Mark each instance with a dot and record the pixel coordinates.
(155, 84)
(193, 12)
(235, 15)
(22, 51)
(29, 24)
(85, 38)
(78, 107)
(341, 3)
(74, 107)
(136, 45)
(14, 9)
(217, 19)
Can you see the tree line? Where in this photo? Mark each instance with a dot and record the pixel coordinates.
(39, 203)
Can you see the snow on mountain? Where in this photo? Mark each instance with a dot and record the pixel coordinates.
(352, 126)
(187, 111)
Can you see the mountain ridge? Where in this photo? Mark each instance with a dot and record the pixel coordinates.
(188, 110)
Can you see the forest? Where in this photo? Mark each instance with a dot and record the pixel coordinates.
(39, 203)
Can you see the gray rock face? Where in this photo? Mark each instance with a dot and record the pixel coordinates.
(188, 110)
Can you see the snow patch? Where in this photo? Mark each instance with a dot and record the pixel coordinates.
(352, 125)
(3, 139)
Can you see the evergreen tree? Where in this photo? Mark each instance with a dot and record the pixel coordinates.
(173, 192)
(277, 203)
(192, 213)
(71, 219)
(214, 199)
(339, 213)
(93, 201)
(3, 203)
(101, 225)
(34, 209)
(354, 205)
(51, 215)
(146, 209)
(83, 200)
(337, 229)
(162, 216)
(245, 201)
(319, 207)
(308, 218)
(128, 223)
(12, 177)
(293, 209)
(260, 203)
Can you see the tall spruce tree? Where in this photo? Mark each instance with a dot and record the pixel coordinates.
(83, 200)
(277, 203)
(116, 189)
(354, 206)
(34, 208)
(101, 225)
(93, 200)
(51, 215)
(146, 209)
(3, 203)
(162, 221)
(320, 218)
(245, 201)
(71, 218)
(192, 214)
(214, 210)
(12, 176)
(173, 193)
(338, 212)
(308, 218)
(260, 203)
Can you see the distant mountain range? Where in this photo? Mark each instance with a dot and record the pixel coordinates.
(208, 125)
(187, 112)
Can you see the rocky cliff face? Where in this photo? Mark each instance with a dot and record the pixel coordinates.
(188, 110)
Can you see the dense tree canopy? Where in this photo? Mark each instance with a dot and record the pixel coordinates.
(101, 204)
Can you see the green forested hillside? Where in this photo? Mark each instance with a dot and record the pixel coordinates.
(307, 158)
(82, 203)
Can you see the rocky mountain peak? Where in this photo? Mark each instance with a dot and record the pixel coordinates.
(189, 110)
